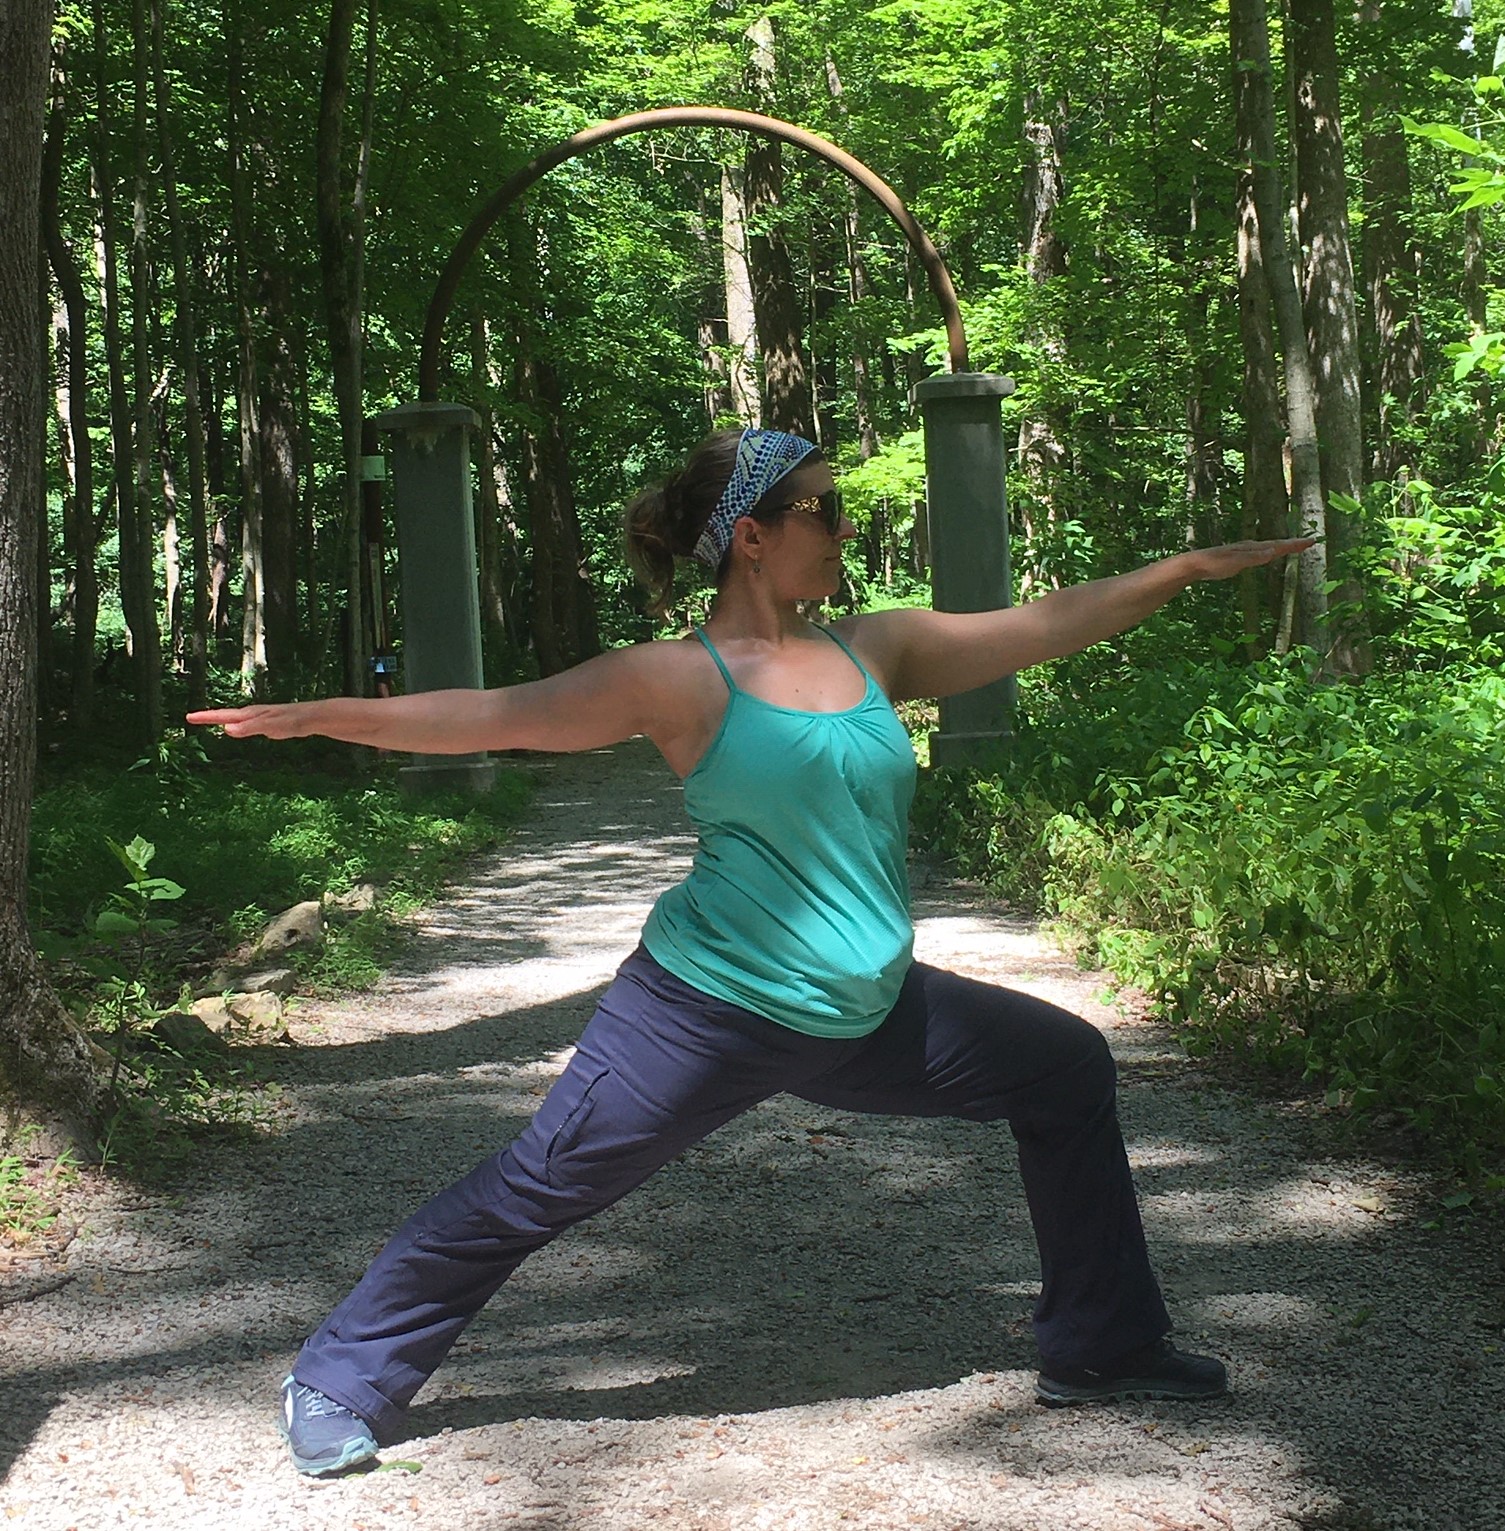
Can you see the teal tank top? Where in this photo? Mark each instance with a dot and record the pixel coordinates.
(797, 905)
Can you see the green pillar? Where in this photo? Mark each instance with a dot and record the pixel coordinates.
(428, 463)
(967, 509)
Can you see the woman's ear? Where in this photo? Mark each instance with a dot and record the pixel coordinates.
(749, 538)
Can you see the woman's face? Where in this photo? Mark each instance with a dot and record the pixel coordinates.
(802, 554)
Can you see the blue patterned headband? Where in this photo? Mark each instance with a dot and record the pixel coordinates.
(763, 458)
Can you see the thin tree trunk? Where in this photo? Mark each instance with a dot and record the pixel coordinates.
(564, 612)
(107, 266)
(45, 1061)
(741, 319)
(1204, 434)
(341, 264)
(488, 509)
(1392, 259)
(186, 343)
(1265, 499)
(1041, 451)
(172, 543)
(1331, 315)
(788, 404)
(80, 514)
(253, 582)
(277, 461)
(1250, 39)
(138, 571)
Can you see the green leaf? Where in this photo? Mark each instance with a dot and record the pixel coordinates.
(111, 922)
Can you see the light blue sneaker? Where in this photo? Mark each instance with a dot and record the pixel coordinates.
(323, 1436)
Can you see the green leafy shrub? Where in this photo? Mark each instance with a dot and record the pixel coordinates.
(1314, 873)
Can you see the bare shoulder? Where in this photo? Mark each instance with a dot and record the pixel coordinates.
(880, 639)
(676, 676)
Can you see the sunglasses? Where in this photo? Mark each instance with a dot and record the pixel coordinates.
(827, 506)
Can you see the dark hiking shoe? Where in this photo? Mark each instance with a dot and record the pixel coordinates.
(1158, 1370)
(323, 1436)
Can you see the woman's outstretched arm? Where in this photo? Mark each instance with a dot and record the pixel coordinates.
(600, 702)
(939, 653)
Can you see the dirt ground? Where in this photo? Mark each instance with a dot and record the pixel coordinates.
(812, 1321)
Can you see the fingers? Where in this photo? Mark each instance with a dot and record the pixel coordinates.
(237, 722)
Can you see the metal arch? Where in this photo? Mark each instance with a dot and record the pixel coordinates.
(681, 116)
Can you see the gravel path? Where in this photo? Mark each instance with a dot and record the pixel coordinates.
(810, 1322)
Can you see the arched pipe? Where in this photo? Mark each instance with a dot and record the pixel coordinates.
(681, 117)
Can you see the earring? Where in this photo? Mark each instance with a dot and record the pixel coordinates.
(757, 567)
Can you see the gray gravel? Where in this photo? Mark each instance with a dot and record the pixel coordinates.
(811, 1321)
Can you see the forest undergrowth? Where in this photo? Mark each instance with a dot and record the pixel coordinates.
(146, 875)
(1309, 875)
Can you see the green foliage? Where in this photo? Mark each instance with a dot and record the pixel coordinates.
(246, 848)
(29, 1188)
(1313, 873)
(259, 843)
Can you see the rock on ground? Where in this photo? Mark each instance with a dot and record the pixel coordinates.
(811, 1321)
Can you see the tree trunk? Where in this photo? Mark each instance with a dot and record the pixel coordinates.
(277, 458)
(253, 581)
(496, 543)
(1041, 450)
(185, 341)
(341, 266)
(788, 404)
(1204, 431)
(138, 580)
(1331, 314)
(172, 545)
(45, 1061)
(1265, 500)
(1254, 95)
(1392, 259)
(79, 512)
(107, 267)
(563, 607)
(741, 319)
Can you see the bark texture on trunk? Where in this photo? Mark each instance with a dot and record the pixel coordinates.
(277, 451)
(81, 543)
(1392, 259)
(253, 627)
(788, 404)
(1041, 448)
(1254, 94)
(341, 247)
(185, 340)
(1264, 507)
(1331, 313)
(138, 580)
(46, 1063)
(741, 318)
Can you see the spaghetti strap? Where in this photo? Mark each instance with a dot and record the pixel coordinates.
(845, 649)
(726, 674)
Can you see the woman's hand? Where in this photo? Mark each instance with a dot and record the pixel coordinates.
(1234, 557)
(281, 720)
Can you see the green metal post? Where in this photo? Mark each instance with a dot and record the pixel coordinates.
(429, 465)
(967, 509)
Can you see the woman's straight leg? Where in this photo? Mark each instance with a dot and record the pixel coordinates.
(659, 1066)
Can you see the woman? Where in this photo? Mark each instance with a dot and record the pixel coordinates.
(784, 961)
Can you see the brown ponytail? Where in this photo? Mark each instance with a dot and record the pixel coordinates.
(665, 521)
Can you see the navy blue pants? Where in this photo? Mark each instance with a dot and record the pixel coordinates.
(661, 1065)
